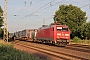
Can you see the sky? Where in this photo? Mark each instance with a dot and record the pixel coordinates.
(31, 14)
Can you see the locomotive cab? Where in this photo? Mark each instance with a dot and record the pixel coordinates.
(61, 34)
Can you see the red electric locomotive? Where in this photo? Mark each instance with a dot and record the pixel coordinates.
(55, 34)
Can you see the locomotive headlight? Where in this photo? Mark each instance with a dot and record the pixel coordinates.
(66, 34)
(58, 34)
(66, 37)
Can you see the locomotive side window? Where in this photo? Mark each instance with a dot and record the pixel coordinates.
(59, 28)
(62, 29)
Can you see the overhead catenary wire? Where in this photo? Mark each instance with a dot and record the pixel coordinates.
(34, 11)
(86, 5)
(30, 4)
(38, 10)
(42, 7)
(24, 8)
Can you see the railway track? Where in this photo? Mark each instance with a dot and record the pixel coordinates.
(78, 49)
(57, 54)
(80, 46)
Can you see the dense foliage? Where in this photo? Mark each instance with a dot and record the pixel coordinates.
(85, 31)
(72, 16)
(1, 22)
(1, 19)
(7, 52)
(80, 41)
(76, 39)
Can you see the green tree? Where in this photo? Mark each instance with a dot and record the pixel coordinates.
(1, 22)
(1, 19)
(85, 31)
(72, 16)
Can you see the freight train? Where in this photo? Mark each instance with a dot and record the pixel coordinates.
(54, 34)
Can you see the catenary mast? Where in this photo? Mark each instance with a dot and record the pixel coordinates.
(5, 37)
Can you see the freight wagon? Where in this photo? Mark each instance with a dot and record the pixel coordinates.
(18, 35)
(26, 34)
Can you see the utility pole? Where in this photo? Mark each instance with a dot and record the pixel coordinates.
(43, 22)
(5, 37)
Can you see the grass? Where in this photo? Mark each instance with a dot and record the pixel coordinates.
(1, 41)
(77, 40)
(85, 42)
(7, 52)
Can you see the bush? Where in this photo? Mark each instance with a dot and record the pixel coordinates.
(76, 39)
(7, 52)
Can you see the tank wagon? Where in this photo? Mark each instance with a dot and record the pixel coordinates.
(55, 34)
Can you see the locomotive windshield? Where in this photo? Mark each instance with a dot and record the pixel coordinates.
(62, 29)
